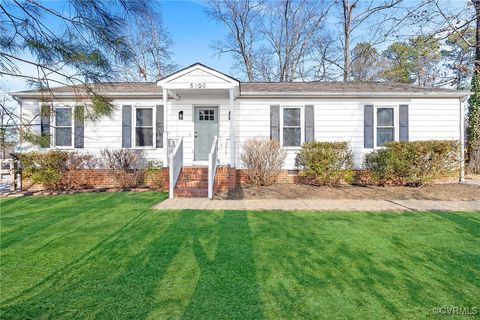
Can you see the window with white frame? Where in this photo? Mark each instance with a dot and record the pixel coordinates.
(63, 129)
(144, 127)
(385, 129)
(291, 126)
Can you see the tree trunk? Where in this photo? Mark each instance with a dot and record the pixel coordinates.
(477, 37)
(347, 16)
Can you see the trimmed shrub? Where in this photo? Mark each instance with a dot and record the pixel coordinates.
(413, 163)
(263, 160)
(46, 168)
(326, 163)
(154, 174)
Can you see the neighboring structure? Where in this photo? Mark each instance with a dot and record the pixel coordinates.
(205, 116)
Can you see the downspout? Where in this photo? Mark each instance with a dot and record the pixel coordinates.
(232, 128)
(18, 175)
(165, 128)
(462, 139)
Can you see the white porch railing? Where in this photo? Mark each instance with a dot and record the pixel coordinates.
(212, 166)
(175, 166)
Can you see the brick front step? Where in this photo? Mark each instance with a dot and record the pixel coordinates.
(192, 182)
(192, 176)
(190, 192)
(195, 170)
(199, 184)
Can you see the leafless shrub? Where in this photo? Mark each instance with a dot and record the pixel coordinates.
(77, 176)
(120, 159)
(263, 160)
(124, 163)
(78, 161)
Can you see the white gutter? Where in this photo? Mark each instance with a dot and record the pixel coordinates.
(18, 176)
(339, 94)
(462, 139)
(73, 95)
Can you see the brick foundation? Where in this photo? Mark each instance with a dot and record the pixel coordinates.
(226, 179)
(102, 178)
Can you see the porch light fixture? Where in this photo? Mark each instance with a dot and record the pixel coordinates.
(180, 115)
(229, 115)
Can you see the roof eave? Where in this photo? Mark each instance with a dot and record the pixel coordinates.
(366, 94)
(37, 95)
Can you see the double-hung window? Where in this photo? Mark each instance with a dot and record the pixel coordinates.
(292, 133)
(63, 129)
(385, 130)
(144, 127)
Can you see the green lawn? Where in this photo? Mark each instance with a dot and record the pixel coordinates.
(109, 256)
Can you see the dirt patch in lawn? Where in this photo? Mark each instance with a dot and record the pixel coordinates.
(452, 191)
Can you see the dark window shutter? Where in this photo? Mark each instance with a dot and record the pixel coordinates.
(45, 126)
(403, 121)
(368, 126)
(309, 123)
(159, 121)
(79, 127)
(275, 122)
(126, 126)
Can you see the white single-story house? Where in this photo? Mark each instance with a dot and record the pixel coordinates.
(201, 117)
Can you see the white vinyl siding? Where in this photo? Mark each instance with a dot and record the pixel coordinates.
(335, 120)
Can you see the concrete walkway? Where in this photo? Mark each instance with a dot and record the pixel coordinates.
(318, 205)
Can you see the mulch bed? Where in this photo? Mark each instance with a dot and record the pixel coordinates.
(452, 191)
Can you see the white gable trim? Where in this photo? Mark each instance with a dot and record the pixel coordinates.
(225, 83)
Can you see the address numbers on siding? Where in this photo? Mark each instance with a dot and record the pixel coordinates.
(198, 85)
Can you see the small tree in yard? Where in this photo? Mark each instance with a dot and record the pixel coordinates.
(473, 129)
(263, 160)
(124, 163)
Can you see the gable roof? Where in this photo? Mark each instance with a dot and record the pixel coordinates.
(250, 89)
(192, 66)
(343, 89)
(113, 89)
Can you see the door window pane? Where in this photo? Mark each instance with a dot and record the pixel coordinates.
(206, 114)
(385, 135)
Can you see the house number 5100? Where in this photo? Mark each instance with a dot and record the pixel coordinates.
(198, 85)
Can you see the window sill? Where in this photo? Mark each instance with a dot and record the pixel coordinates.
(62, 147)
(145, 148)
(291, 148)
